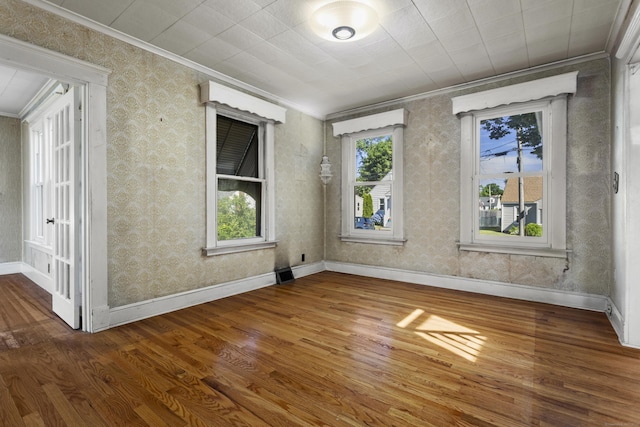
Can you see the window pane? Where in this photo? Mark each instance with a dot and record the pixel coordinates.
(511, 144)
(519, 205)
(239, 209)
(237, 147)
(374, 159)
(372, 207)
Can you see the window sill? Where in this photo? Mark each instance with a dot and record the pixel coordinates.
(514, 250)
(223, 250)
(373, 240)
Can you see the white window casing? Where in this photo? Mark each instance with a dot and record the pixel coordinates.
(548, 95)
(219, 99)
(387, 123)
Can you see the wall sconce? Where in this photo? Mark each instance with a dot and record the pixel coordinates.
(325, 170)
(344, 20)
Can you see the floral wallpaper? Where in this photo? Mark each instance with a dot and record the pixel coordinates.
(156, 168)
(156, 187)
(432, 204)
(10, 191)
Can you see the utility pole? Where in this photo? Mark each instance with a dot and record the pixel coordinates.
(521, 212)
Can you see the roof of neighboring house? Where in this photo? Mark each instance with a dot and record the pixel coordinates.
(532, 190)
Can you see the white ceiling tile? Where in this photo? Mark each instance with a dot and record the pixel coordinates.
(446, 77)
(408, 28)
(244, 60)
(212, 52)
(510, 24)
(461, 40)
(592, 17)
(269, 53)
(101, 11)
(17, 89)
(583, 5)
(145, 19)
(486, 11)
(294, 44)
(510, 43)
(547, 12)
(545, 51)
(508, 61)
(237, 10)
(592, 39)
(292, 12)
(556, 32)
(386, 7)
(264, 24)
(180, 38)
(240, 37)
(414, 48)
(453, 24)
(472, 62)
(534, 4)
(208, 20)
(437, 9)
(432, 57)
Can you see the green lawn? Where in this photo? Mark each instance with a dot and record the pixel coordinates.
(491, 232)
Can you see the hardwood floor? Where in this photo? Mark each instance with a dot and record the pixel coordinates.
(329, 349)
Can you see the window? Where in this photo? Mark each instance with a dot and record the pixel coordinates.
(372, 152)
(240, 179)
(513, 167)
(39, 171)
(240, 149)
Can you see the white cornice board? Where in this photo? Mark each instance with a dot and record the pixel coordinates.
(521, 92)
(214, 92)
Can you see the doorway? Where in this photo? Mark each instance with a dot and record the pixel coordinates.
(91, 232)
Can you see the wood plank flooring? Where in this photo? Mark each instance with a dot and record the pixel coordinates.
(327, 350)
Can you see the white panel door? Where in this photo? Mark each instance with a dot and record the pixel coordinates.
(63, 121)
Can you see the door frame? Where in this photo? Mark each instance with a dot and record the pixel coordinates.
(93, 170)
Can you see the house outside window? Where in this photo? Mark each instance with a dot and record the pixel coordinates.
(240, 170)
(372, 154)
(513, 167)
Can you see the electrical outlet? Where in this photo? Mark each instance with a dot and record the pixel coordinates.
(302, 257)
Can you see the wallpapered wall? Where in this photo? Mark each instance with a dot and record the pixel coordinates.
(156, 168)
(10, 191)
(432, 197)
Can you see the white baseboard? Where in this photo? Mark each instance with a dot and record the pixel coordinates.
(149, 308)
(617, 320)
(40, 279)
(10, 268)
(507, 290)
(308, 269)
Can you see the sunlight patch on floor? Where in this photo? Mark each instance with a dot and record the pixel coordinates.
(460, 340)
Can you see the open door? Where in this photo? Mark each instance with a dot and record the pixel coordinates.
(63, 125)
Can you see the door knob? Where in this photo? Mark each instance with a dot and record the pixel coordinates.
(51, 221)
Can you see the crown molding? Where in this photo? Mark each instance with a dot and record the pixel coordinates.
(469, 85)
(209, 72)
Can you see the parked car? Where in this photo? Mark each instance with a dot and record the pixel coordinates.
(364, 223)
(378, 217)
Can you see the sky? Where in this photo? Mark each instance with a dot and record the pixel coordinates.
(499, 156)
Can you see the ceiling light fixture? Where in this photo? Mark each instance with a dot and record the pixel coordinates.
(344, 20)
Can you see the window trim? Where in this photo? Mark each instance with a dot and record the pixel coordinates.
(553, 90)
(219, 99)
(387, 123)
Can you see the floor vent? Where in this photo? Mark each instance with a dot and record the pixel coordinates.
(284, 275)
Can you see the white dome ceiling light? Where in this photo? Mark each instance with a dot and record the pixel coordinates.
(344, 20)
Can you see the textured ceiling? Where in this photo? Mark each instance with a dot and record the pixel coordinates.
(419, 46)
